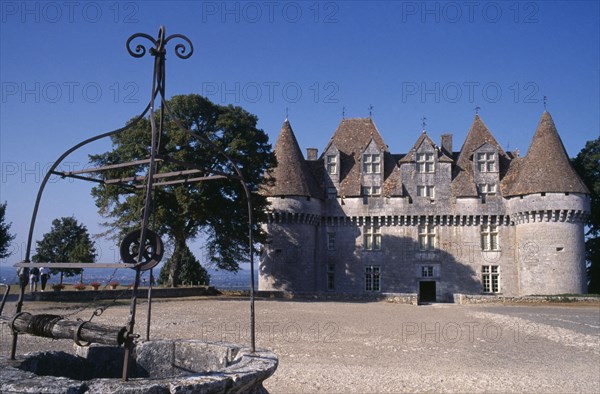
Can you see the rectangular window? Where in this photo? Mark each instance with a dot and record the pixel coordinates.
(330, 276)
(371, 191)
(426, 191)
(487, 188)
(372, 164)
(490, 275)
(426, 237)
(486, 162)
(427, 271)
(425, 163)
(489, 237)
(372, 237)
(331, 193)
(331, 241)
(372, 278)
(331, 164)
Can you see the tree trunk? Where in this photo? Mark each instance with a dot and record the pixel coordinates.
(175, 267)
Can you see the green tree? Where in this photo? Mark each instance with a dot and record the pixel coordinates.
(190, 270)
(587, 164)
(215, 208)
(5, 235)
(67, 242)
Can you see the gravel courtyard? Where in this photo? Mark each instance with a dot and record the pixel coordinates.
(379, 346)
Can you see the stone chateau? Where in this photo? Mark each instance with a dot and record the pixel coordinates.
(433, 221)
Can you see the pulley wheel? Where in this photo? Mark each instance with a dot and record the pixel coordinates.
(151, 254)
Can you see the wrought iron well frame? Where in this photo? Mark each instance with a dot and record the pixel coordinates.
(183, 50)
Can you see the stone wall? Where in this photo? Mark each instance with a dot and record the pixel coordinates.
(166, 366)
(465, 299)
(540, 238)
(158, 292)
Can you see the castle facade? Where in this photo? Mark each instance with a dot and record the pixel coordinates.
(432, 221)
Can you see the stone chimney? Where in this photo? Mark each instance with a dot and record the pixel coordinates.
(447, 144)
(311, 153)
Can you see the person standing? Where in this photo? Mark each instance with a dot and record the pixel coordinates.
(33, 279)
(44, 277)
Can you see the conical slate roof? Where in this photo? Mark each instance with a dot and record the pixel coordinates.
(547, 167)
(292, 176)
(463, 184)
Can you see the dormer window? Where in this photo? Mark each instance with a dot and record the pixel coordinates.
(487, 188)
(371, 191)
(425, 163)
(371, 163)
(426, 191)
(486, 162)
(331, 162)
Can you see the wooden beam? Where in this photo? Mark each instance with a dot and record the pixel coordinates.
(55, 327)
(156, 176)
(110, 167)
(180, 181)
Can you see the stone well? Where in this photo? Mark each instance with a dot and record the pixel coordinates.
(162, 366)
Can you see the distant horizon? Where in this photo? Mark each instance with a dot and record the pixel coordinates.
(218, 278)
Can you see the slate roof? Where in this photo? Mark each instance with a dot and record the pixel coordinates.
(292, 175)
(351, 138)
(546, 167)
(463, 184)
(410, 156)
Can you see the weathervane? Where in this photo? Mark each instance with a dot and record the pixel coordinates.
(371, 111)
(343, 112)
(286, 113)
(545, 102)
(477, 108)
(423, 122)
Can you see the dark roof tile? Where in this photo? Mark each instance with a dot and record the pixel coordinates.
(463, 184)
(547, 167)
(351, 138)
(292, 176)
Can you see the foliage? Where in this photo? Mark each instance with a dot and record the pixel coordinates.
(217, 209)
(190, 269)
(95, 285)
(5, 236)
(67, 242)
(587, 164)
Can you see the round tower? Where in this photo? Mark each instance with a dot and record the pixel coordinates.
(549, 204)
(289, 259)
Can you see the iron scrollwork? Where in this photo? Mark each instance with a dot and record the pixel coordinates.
(182, 50)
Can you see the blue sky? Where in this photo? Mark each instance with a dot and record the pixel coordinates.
(65, 76)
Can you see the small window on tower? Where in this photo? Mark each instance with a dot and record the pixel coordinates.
(371, 191)
(426, 191)
(486, 162)
(331, 193)
(330, 276)
(427, 271)
(371, 164)
(425, 163)
(332, 164)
